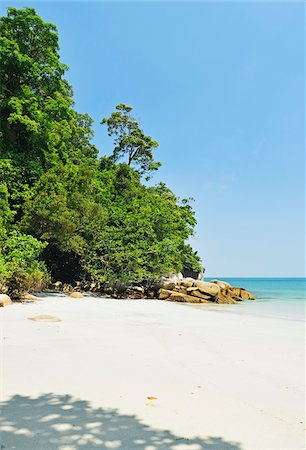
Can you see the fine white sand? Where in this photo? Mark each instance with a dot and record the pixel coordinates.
(221, 381)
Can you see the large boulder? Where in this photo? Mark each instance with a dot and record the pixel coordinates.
(235, 291)
(175, 296)
(225, 298)
(169, 282)
(205, 287)
(251, 296)
(178, 297)
(199, 294)
(244, 294)
(191, 289)
(221, 284)
(182, 289)
(76, 295)
(168, 285)
(187, 282)
(5, 300)
(28, 296)
(164, 293)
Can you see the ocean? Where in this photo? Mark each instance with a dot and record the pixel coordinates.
(282, 298)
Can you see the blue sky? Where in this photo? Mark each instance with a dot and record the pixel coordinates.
(220, 86)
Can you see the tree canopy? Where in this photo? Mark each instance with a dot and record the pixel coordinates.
(130, 140)
(65, 213)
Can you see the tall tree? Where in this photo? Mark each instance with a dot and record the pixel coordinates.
(130, 141)
(38, 125)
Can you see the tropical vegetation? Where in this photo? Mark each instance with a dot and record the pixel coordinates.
(67, 213)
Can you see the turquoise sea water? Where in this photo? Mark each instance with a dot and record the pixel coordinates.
(282, 298)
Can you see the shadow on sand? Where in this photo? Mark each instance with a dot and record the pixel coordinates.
(60, 422)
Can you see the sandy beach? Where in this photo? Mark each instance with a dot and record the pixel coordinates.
(149, 375)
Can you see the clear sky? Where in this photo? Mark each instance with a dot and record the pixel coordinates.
(220, 86)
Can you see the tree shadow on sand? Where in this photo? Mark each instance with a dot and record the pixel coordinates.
(61, 422)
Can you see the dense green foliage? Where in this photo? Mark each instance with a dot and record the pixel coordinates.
(61, 207)
(130, 140)
(20, 268)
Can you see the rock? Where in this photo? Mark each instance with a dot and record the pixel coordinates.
(95, 286)
(179, 297)
(225, 299)
(3, 289)
(66, 288)
(169, 285)
(207, 288)
(187, 282)
(199, 294)
(168, 282)
(45, 318)
(28, 296)
(5, 300)
(251, 296)
(189, 290)
(181, 289)
(135, 292)
(244, 294)
(164, 293)
(76, 295)
(109, 290)
(137, 288)
(235, 291)
(58, 285)
(221, 284)
(239, 299)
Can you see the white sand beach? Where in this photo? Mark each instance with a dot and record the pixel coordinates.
(217, 380)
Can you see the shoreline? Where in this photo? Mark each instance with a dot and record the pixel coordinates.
(114, 355)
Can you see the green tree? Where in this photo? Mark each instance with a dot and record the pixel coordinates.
(6, 214)
(20, 266)
(130, 141)
(145, 230)
(38, 127)
(191, 261)
(64, 214)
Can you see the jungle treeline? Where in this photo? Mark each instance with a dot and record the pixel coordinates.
(66, 213)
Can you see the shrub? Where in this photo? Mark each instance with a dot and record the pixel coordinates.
(20, 267)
